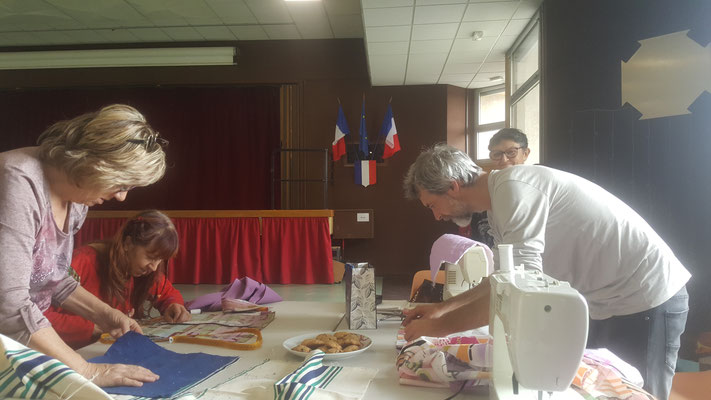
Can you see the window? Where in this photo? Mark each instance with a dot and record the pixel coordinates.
(525, 87)
(490, 108)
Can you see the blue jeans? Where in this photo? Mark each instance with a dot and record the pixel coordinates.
(648, 340)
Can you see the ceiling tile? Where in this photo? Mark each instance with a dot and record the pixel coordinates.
(430, 46)
(246, 32)
(433, 2)
(54, 37)
(461, 68)
(118, 35)
(490, 28)
(515, 27)
(282, 32)
(270, 11)
(86, 36)
(434, 31)
(388, 48)
(387, 33)
(387, 16)
(479, 85)
(386, 3)
(158, 13)
(101, 13)
(33, 16)
(342, 7)
(490, 11)
(421, 79)
(473, 46)
(387, 70)
(215, 33)
(310, 19)
(458, 77)
(232, 12)
(150, 35)
(468, 57)
(486, 77)
(505, 42)
(426, 63)
(183, 34)
(346, 26)
(439, 14)
(498, 67)
(24, 39)
(527, 9)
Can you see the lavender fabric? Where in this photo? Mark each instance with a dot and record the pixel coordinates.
(450, 248)
(243, 288)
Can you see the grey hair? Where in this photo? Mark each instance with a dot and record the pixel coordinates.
(436, 168)
(105, 150)
(511, 134)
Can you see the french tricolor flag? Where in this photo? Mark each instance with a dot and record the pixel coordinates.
(339, 142)
(392, 143)
(365, 172)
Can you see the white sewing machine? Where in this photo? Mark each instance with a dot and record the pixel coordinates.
(539, 327)
(468, 272)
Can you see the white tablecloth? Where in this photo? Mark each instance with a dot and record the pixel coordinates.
(301, 317)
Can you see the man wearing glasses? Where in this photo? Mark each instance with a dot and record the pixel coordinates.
(508, 146)
(574, 231)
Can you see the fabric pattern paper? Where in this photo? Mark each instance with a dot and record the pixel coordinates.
(178, 372)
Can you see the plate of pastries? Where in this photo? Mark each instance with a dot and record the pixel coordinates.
(336, 345)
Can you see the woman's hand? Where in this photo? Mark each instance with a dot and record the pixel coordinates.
(176, 312)
(117, 323)
(105, 375)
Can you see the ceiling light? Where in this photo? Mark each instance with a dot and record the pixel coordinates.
(148, 57)
(477, 35)
(496, 78)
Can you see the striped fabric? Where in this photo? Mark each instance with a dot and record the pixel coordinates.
(28, 374)
(305, 380)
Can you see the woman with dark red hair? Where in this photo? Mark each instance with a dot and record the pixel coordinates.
(127, 273)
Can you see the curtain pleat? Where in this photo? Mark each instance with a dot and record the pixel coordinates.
(296, 250)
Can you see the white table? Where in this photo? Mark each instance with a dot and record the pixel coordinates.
(301, 317)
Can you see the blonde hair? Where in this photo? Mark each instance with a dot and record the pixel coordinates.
(104, 150)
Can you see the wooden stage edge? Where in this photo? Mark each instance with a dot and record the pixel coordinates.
(223, 214)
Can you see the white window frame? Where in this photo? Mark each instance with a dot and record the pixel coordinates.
(478, 128)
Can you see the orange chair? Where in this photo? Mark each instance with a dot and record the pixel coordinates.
(420, 277)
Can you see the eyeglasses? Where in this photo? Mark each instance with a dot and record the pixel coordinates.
(509, 153)
(152, 143)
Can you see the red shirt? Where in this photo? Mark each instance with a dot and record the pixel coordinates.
(77, 331)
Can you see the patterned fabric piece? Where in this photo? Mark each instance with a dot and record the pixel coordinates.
(446, 362)
(303, 382)
(28, 374)
(308, 380)
(598, 378)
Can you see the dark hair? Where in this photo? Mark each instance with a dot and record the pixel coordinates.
(512, 134)
(150, 229)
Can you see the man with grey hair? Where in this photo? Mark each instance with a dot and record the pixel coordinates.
(574, 231)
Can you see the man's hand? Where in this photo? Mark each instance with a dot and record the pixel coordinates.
(176, 312)
(424, 327)
(424, 311)
(105, 375)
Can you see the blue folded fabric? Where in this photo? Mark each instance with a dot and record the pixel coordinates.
(177, 371)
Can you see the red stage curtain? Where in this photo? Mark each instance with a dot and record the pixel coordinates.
(212, 250)
(216, 250)
(97, 229)
(296, 250)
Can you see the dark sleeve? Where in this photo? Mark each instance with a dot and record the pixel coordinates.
(480, 229)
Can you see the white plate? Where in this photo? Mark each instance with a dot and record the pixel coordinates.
(296, 340)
